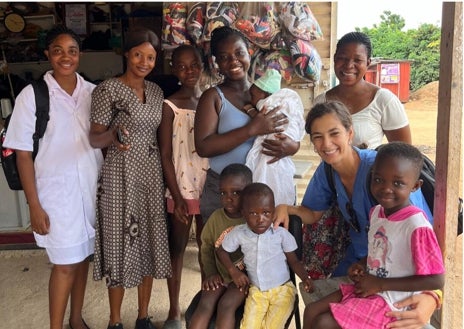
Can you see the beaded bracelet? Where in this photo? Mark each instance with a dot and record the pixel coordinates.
(437, 295)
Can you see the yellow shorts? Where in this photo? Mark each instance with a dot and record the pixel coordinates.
(268, 309)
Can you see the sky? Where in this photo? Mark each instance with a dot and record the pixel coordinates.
(366, 13)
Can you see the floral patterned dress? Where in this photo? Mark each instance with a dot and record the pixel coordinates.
(131, 239)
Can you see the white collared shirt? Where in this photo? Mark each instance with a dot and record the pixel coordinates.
(264, 254)
(66, 166)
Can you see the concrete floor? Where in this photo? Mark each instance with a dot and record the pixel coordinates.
(24, 292)
(24, 278)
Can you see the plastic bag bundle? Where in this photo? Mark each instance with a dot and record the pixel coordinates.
(307, 62)
(219, 14)
(279, 60)
(280, 34)
(258, 22)
(174, 32)
(196, 22)
(298, 19)
(278, 42)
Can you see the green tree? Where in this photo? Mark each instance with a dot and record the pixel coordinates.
(421, 46)
(424, 51)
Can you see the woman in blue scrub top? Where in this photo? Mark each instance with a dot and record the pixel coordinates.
(330, 128)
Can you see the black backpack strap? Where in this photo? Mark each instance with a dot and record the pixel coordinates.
(428, 181)
(41, 113)
(342, 224)
(368, 186)
(330, 178)
(329, 174)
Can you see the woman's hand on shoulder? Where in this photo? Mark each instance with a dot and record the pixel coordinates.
(421, 308)
(281, 216)
(283, 211)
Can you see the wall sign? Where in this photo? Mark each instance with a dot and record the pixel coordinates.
(390, 73)
(76, 18)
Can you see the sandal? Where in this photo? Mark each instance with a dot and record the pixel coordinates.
(85, 325)
(172, 324)
(144, 323)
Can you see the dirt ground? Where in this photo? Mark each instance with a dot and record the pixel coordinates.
(24, 273)
(422, 114)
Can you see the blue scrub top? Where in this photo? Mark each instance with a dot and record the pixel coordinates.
(319, 196)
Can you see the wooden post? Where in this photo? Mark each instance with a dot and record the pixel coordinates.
(449, 158)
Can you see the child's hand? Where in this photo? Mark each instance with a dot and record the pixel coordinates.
(250, 110)
(356, 271)
(308, 284)
(181, 211)
(244, 289)
(241, 281)
(212, 282)
(367, 285)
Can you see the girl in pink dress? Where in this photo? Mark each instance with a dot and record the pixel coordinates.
(184, 171)
(404, 257)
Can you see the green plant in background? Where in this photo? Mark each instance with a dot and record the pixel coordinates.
(424, 50)
(421, 46)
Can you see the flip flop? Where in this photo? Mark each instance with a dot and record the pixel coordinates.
(172, 324)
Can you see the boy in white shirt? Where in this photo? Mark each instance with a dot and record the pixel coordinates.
(268, 254)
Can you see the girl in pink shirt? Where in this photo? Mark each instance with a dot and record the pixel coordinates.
(404, 257)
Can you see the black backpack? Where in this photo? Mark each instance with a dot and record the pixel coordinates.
(7, 155)
(428, 186)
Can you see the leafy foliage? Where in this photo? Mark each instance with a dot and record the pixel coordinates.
(421, 46)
